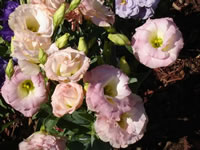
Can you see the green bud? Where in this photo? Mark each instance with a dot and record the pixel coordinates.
(107, 51)
(110, 29)
(59, 15)
(123, 65)
(91, 42)
(119, 39)
(42, 129)
(73, 5)
(82, 46)
(86, 85)
(11, 45)
(62, 41)
(42, 56)
(10, 69)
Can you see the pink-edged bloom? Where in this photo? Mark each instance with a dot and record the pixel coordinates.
(66, 65)
(26, 49)
(128, 130)
(97, 12)
(43, 141)
(24, 93)
(31, 18)
(50, 5)
(66, 98)
(108, 91)
(157, 43)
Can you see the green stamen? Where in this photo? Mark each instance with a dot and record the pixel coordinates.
(110, 90)
(123, 2)
(25, 88)
(32, 24)
(123, 121)
(157, 42)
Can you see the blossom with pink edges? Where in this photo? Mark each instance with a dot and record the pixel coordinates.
(66, 65)
(24, 93)
(157, 42)
(128, 130)
(99, 14)
(67, 97)
(108, 92)
(43, 141)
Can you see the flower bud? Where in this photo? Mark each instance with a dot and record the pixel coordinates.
(86, 85)
(92, 42)
(42, 56)
(62, 41)
(59, 15)
(110, 29)
(123, 65)
(82, 46)
(11, 44)
(10, 69)
(73, 5)
(119, 39)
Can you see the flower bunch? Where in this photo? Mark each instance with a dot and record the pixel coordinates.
(69, 76)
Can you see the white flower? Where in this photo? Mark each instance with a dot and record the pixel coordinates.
(32, 19)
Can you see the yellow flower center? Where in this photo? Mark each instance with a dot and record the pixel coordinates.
(157, 42)
(110, 89)
(25, 88)
(32, 24)
(123, 121)
(123, 2)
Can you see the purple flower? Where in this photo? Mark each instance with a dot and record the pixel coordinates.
(9, 8)
(135, 8)
(6, 32)
(3, 64)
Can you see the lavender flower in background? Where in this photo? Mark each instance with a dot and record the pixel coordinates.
(3, 64)
(135, 8)
(6, 33)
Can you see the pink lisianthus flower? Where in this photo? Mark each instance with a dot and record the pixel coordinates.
(26, 49)
(50, 5)
(24, 93)
(108, 92)
(157, 43)
(66, 65)
(97, 12)
(128, 130)
(42, 141)
(66, 98)
(31, 18)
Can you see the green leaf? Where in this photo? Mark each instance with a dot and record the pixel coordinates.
(50, 123)
(100, 145)
(2, 105)
(6, 126)
(129, 48)
(75, 145)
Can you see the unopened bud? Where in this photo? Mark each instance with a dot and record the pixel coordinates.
(59, 15)
(82, 46)
(119, 39)
(62, 41)
(73, 5)
(11, 45)
(123, 65)
(86, 85)
(10, 69)
(91, 42)
(42, 56)
(110, 29)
